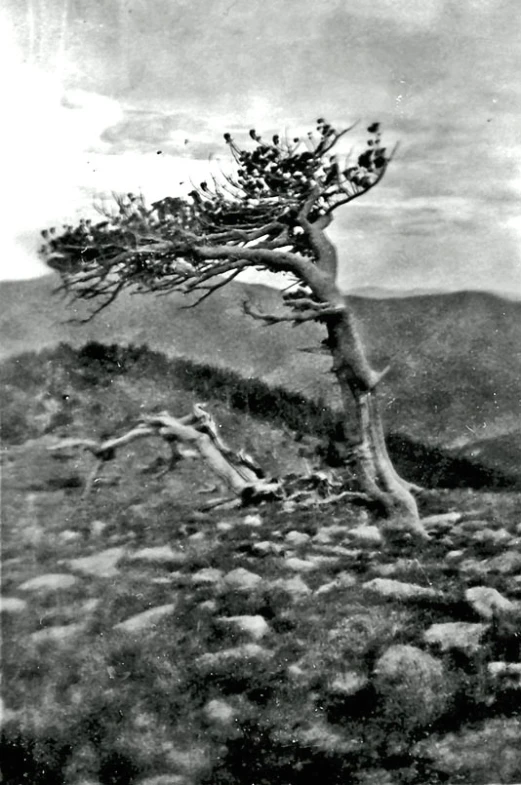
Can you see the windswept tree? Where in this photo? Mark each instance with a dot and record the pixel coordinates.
(271, 214)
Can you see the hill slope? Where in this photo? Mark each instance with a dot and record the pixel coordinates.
(456, 358)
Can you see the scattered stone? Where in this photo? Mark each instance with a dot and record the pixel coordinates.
(453, 557)
(99, 565)
(295, 587)
(248, 651)
(242, 580)
(52, 581)
(146, 620)
(486, 754)
(473, 568)
(506, 563)
(460, 635)
(266, 548)
(441, 521)
(472, 525)
(342, 581)
(506, 674)
(296, 538)
(252, 520)
(349, 683)
(254, 626)
(224, 526)
(58, 634)
(321, 560)
(160, 554)
(208, 575)
(299, 565)
(219, 711)
(208, 605)
(12, 605)
(413, 685)
(367, 536)
(328, 533)
(396, 590)
(68, 536)
(488, 602)
(97, 528)
(396, 567)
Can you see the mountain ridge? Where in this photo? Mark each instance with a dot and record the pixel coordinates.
(455, 357)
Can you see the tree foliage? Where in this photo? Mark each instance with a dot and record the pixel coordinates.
(269, 214)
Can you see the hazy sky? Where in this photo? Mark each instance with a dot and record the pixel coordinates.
(96, 87)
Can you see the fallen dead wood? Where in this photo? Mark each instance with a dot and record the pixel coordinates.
(239, 473)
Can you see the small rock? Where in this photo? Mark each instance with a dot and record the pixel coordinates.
(252, 520)
(460, 635)
(97, 528)
(219, 711)
(208, 575)
(242, 580)
(473, 568)
(299, 565)
(441, 521)
(413, 685)
(160, 554)
(266, 547)
(99, 565)
(396, 567)
(396, 590)
(12, 605)
(146, 620)
(472, 525)
(368, 536)
(248, 651)
(488, 753)
(507, 674)
(453, 557)
(506, 563)
(52, 581)
(349, 683)
(68, 536)
(296, 538)
(342, 581)
(58, 634)
(488, 602)
(489, 541)
(254, 626)
(295, 587)
(327, 534)
(224, 526)
(209, 606)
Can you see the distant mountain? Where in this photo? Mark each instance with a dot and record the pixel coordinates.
(456, 358)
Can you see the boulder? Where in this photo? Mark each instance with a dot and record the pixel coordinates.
(397, 590)
(159, 554)
(242, 580)
(458, 635)
(482, 754)
(12, 605)
(413, 687)
(52, 581)
(147, 620)
(99, 565)
(256, 627)
(488, 602)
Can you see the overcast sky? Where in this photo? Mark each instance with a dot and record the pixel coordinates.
(96, 88)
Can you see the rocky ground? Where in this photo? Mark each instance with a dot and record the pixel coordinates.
(147, 642)
(170, 646)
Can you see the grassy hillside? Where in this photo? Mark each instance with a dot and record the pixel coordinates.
(147, 642)
(456, 358)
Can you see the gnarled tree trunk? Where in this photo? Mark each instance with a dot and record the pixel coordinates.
(375, 471)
